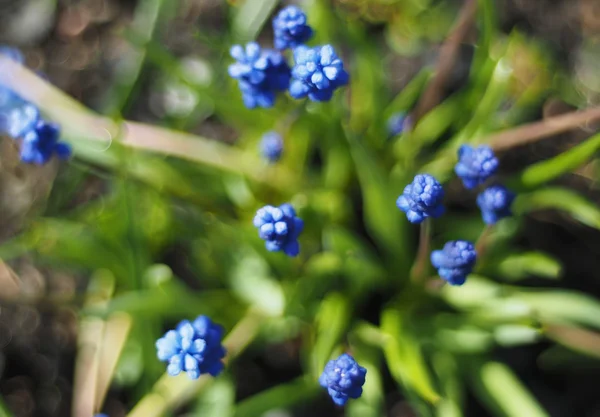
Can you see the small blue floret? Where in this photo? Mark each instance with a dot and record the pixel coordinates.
(397, 124)
(421, 199)
(317, 73)
(475, 165)
(260, 74)
(41, 142)
(494, 203)
(194, 348)
(271, 146)
(279, 228)
(290, 28)
(455, 261)
(343, 378)
(19, 120)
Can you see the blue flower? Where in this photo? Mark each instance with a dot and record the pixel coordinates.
(19, 120)
(280, 228)
(421, 199)
(317, 73)
(290, 28)
(101, 415)
(455, 261)
(271, 146)
(494, 203)
(475, 165)
(194, 348)
(343, 378)
(397, 123)
(260, 74)
(41, 142)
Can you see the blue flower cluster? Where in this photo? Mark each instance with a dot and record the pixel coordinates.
(475, 165)
(494, 203)
(194, 348)
(422, 198)
(280, 228)
(455, 261)
(290, 28)
(261, 74)
(343, 378)
(22, 120)
(317, 73)
(271, 146)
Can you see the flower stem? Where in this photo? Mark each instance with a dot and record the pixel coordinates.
(171, 392)
(420, 265)
(482, 242)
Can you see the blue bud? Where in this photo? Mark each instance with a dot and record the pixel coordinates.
(271, 146)
(343, 378)
(494, 203)
(279, 227)
(260, 74)
(421, 199)
(475, 165)
(290, 28)
(317, 73)
(193, 347)
(455, 261)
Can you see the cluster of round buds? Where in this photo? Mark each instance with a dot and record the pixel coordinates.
(193, 347)
(343, 378)
(316, 73)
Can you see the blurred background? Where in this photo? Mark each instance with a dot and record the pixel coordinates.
(108, 251)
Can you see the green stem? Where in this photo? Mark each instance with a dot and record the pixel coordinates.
(419, 268)
(170, 392)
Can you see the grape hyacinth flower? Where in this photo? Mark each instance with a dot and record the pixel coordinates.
(194, 348)
(290, 28)
(494, 203)
(343, 378)
(397, 124)
(19, 120)
(261, 73)
(475, 165)
(271, 146)
(421, 199)
(455, 261)
(41, 142)
(317, 73)
(280, 228)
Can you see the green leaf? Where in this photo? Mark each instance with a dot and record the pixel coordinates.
(522, 265)
(500, 388)
(558, 198)
(381, 216)
(217, 400)
(251, 281)
(280, 396)
(404, 357)
(563, 307)
(332, 321)
(552, 168)
(250, 18)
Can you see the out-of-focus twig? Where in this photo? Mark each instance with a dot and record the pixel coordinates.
(80, 123)
(544, 128)
(447, 57)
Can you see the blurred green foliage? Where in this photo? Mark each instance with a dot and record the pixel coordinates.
(357, 247)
